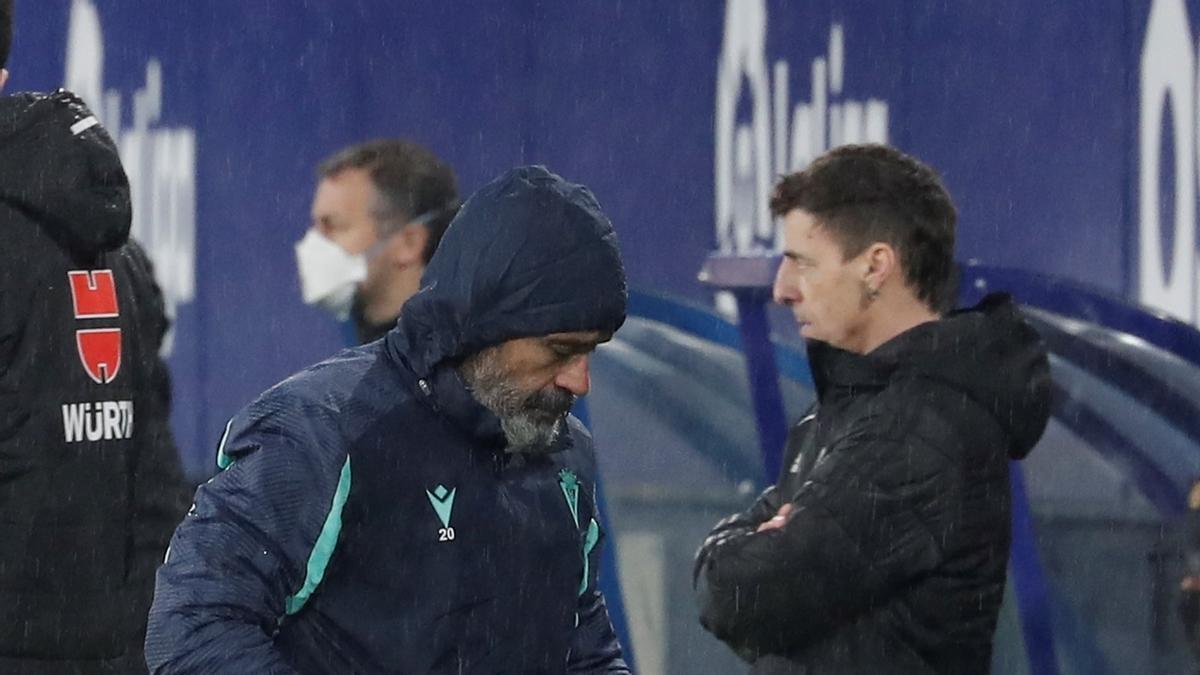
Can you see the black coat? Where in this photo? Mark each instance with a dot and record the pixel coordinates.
(90, 483)
(894, 558)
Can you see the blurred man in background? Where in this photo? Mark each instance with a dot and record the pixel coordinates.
(378, 214)
(883, 546)
(90, 482)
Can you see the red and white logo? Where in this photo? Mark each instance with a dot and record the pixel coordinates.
(100, 353)
(94, 295)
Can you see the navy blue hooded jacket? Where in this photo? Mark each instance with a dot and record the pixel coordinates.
(369, 520)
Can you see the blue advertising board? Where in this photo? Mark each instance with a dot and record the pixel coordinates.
(1067, 133)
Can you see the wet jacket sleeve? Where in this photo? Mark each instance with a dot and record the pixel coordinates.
(745, 522)
(857, 535)
(239, 560)
(595, 649)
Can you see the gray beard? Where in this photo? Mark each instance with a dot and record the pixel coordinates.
(529, 436)
(531, 422)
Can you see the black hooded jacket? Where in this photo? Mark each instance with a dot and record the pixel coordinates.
(90, 485)
(894, 558)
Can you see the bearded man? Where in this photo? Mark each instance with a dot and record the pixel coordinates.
(423, 503)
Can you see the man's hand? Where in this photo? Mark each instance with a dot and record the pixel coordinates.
(776, 520)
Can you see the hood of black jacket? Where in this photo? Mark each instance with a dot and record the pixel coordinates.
(528, 254)
(987, 352)
(63, 171)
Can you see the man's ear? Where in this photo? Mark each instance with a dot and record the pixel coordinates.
(881, 264)
(406, 247)
(3, 78)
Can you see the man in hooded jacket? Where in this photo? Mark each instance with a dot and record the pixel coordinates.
(423, 503)
(882, 547)
(90, 482)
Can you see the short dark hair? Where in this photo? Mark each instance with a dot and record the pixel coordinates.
(862, 194)
(411, 181)
(6, 21)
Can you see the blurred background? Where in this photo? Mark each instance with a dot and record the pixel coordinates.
(1067, 133)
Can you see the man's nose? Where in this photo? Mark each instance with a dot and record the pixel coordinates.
(784, 291)
(574, 376)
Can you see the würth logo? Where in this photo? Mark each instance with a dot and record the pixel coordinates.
(101, 420)
(94, 295)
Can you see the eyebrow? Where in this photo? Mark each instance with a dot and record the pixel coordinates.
(798, 257)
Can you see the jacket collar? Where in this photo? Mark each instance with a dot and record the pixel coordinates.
(452, 399)
(837, 371)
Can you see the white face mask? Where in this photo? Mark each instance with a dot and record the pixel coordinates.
(329, 275)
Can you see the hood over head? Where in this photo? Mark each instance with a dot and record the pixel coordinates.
(61, 168)
(528, 254)
(987, 352)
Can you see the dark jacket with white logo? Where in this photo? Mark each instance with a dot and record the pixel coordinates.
(894, 558)
(369, 519)
(90, 486)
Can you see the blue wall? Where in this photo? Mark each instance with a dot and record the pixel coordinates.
(1031, 110)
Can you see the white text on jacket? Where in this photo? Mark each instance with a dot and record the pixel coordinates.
(102, 420)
